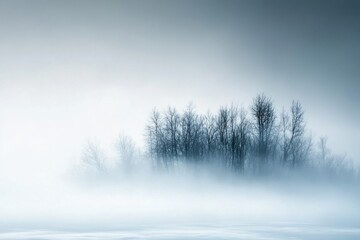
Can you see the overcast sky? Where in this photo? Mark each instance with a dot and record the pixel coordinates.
(73, 70)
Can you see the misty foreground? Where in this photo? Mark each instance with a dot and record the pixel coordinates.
(189, 204)
(221, 176)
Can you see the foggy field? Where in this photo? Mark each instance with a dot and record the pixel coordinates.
(184, 206)
(181, 119)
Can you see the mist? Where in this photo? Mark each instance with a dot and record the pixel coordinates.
(81, 83)
(187, 203)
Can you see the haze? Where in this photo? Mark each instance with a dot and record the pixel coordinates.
(73, 71)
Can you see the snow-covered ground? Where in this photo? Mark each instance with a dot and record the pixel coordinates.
(181, 207)
(218, 231)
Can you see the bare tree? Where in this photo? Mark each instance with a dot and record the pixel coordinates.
(191, 134)
(172, 134)
(242, 140)
(126, 152)
(264, 125)
(93, 157)
(334, 165)
(285, 138)
(222, 125)
(210, 134)
(233, 137)
(155, 138)
(292, 131)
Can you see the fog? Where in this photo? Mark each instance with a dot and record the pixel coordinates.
(188, 203)
(87, 72)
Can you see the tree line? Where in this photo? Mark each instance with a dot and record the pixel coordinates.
(238, 139)
(250, 140)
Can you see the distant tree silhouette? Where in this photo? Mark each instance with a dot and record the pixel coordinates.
(155, 138)
(93, 157)
(172, 135)
(210, 133)
(292, 127)
(241, 140)
(222, 125)
(126, 151)
(264, 129)
(241, 143)
(191, 135)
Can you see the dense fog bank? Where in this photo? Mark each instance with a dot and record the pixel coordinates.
(231, 167)
(107, 202)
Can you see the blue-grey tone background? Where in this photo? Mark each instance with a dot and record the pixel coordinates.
(73, 70)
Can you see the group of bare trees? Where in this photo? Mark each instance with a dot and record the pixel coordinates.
(237, 139)
(124, 157)
(256, 140)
